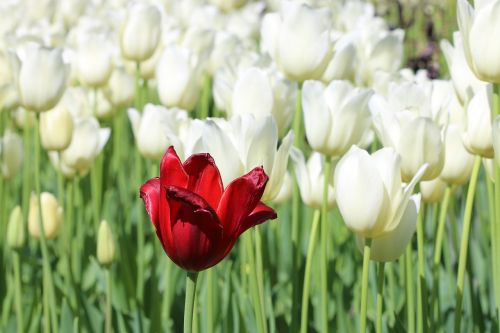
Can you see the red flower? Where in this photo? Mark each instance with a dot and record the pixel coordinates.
(196, 220)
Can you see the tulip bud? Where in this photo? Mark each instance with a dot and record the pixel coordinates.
(11, 153)
(94, 60)
(56, 128)
(23, 119)
(141, 32)
(105, 244)
(179, 78)
(479, 28)
(42, 79)
(298, 39)
(433, 190)
(15, 229)
(121, 88)
(52, 215)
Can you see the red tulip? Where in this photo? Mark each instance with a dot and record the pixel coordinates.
(196, 220)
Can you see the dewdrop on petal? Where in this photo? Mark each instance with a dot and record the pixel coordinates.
(52, 214)
(106, 250)
(15, 229)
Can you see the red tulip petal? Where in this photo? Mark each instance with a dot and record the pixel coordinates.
(192, 202)
(171, 170)
(150, 194)
(260, 214)
(240, 198)
(204, 178)
(196, 230)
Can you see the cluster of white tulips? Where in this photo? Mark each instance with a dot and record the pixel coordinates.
(321, 84)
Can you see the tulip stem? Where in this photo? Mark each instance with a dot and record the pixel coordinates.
(210, 300)
(191, 278)
(296, 213)
(410, 311)
(380, 296)
(496, 224)
(140, 236)
(421, 287)
(437, 255)
(18, 292)
(324, 248)
(254, 285)
(109, 309)
(204, 104)
(464, 243)
(47, 275)
(307, 272)
(364, 284)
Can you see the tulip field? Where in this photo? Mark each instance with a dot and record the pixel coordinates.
(212, 166)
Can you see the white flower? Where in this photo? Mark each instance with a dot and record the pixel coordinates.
(153, 128)
(11, 153)
(311, 178)
(298, 39)
(373, 201)
(335, 116)
(56, 128)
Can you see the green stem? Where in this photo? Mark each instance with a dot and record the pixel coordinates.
(140, 236)
(206, 94)
(364, 284)
(109, 308)
(167, 294)
(307, 272)
(254, 285)
(437, 255)
(259, 267)
(18, 292)
(26, 170)
(324, 247)
(47, 275)
(380, 296)
(464, 244)
(421, 287)
(296, 214)
(191, 278)
(410, 312)
(496, 223)
(210, 300)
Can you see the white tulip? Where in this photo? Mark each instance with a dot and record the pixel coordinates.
(52, 215)
(262, 93)
(480, 27)
(42, 79)
(141, 32)
(458, 162)
(311, 178)
(87, 142)
(120, 90)
(56, 128)
(433, 190)
(15, 235)
(153, 128)
(286, 190)
(341, 65)
(11, 153)
(373, 201)
(477, 136)
(244, 143)
(464, 80)
(59, 164)
(94, 60)
(298, 39)
(179, 78)
(335, 116)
